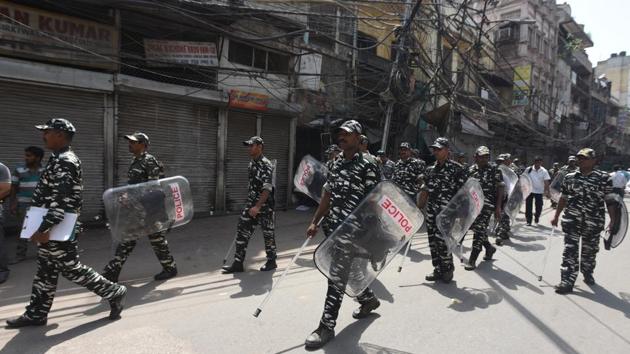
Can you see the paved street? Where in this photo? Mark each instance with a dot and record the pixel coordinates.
(499, 308)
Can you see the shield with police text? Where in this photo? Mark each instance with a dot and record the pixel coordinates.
(460, 213)
(615, 234)
(146, 208)
(310, 177)
(509, 179)
(517, 198)
(368, 239)
(555, 188)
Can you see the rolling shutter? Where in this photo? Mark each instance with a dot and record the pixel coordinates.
(183, 136)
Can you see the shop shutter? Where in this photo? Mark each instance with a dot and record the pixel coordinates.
(183, 136)
(24, 106)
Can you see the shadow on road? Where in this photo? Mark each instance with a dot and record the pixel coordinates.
(253, 283)
(463, 299)
(24, 338)
(506, 279)
(347, 340)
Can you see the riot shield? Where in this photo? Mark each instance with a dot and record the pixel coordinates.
(509, 179)
(368, 239)
(555, 188)
(310, 177)
(146, 208)
(521, 191)
(617, 232)
(460, 213)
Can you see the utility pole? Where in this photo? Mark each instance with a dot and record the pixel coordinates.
(402, 42)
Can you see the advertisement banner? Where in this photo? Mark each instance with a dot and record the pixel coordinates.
(161, 53)
(522, 80)
(248, 100)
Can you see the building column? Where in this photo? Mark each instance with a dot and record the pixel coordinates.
(221, 150)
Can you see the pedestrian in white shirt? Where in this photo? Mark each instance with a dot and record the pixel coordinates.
(540, 184)
(619, 180)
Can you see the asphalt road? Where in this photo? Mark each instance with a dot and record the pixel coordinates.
(499, 308)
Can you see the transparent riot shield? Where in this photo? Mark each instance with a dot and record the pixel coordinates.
(509, 179)
(368, 239)
(310, 177)
(555, 188)
(146, 208)
(460, 213)
(521, 191)
(617, 231)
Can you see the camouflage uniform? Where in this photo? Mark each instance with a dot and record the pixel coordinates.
(349, 181)
(326, 228)
(441, 183)
(583, 218)
(143, 168)
(60, 190)
(260, 172)
(387, 169)
(408, 175)
(490, 178)
(504, 225)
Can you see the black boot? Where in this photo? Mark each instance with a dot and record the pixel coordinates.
(269, 265)
(166, 274)
(472, 261)
(236, 267)
(319, 337)
(366, 308)
(435, 276)
(23, 321)
(490, 250)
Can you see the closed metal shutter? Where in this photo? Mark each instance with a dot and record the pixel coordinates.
(275, 133)
(24, 106)
(183, 137)
(241, 126)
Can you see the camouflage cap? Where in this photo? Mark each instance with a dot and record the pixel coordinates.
(405, 145)
(139, 137)
(440, 143)
(572, 158)
(58, 124)
(380, 153)
(507, 156)
(586, 152)
(501, 157)
(351, 126)
(254, 140)
(482, 151)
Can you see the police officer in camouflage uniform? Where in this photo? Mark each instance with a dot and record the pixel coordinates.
(386, 165)
(364, 149)
(491, 180)
(583, 195)
(144, 167)
(571, 166)
(60, 191)
(442, 181)
(258, 209)
(503, 230)
(351, 178)
(408, 172)
(461, 159)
